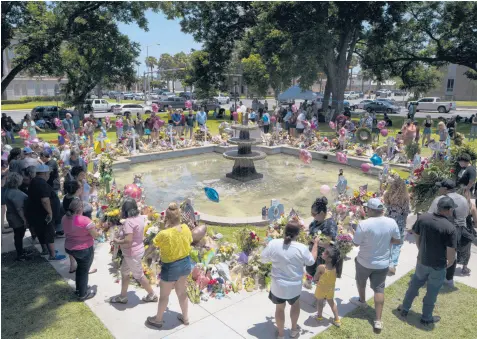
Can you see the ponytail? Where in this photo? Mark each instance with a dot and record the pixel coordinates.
(336, 259)
(320, 205)
(76, 205)
(292, 229)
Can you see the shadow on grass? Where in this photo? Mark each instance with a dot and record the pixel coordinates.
(37, 302)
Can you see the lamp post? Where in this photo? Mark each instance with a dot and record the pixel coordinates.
(235, 94)
(148, 86)
(350, 76)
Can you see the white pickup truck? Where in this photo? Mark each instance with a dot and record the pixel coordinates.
(100, 105)
(435, 104)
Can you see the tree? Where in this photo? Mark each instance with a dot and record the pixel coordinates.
(181, 62)
(165, 64)
(151, 62)
(431, 34)
(255, 74)
(42, 28)
(420, 79)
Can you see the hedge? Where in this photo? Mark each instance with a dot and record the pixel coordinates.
(24, 100)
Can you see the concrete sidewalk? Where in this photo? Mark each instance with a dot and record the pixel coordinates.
(242, 315)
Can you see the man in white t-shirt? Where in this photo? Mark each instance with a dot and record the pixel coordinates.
(288, 259)
(374, 237)
(300, 122)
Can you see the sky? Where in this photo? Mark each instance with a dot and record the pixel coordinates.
(166, 33)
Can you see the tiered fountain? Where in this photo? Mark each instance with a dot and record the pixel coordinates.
(244, 168)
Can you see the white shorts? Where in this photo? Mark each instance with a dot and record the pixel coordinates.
(132, 264)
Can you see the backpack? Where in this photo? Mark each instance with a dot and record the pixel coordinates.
(265, 118)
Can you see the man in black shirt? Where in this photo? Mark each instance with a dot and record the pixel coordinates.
(437, 242)
(43, 210)
(467, 174)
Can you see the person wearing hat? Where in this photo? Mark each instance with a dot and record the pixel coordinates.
(461, 211)
(436, 240)
(43, 210)
(467, 174)
(374, 237)
(29, 159)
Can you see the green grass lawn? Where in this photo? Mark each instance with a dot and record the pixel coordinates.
(456, 308)
(31, 104)
(229, 232)
(466, 103)
(38, 303)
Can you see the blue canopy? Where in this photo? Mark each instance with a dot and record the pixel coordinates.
(296, 93)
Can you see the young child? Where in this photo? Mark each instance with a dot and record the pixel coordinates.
(325, 276)
(119, 127)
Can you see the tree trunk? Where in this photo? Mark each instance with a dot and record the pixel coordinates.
(326, 96)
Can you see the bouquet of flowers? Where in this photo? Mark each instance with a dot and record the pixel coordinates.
(361, 197)
(225, 252)
(247, 240)
(344, 243)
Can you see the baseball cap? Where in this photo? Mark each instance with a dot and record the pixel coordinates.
(27, 150)
(464, 157)
(446, 203)
(448, 183)
(42, 168)
(45, 154)
(374, 204)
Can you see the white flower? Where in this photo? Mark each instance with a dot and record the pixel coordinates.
(152, 230)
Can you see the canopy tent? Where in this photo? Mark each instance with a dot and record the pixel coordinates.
(296, 93)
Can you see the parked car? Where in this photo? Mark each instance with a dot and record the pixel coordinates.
(209, 104)
(174, 102)
(351, 95)
(187, 95)
(138, 96)
(435, 104)
(381, 107)
(48, 114)
(360, 95)
(128, 96)
(99, 105)
(132, 109)
(362, 103)
(234, 95)
(222, 99)
(383, 93)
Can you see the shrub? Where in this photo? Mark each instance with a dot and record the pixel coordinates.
(13, 102)
(412, 149)
(41, 98)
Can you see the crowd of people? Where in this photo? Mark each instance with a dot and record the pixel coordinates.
(31, 200)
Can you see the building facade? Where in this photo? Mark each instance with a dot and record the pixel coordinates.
(455, 85)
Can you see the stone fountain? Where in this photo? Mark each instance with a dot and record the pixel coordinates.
(244, 168)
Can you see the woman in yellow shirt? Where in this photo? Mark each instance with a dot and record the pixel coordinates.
(174, 244)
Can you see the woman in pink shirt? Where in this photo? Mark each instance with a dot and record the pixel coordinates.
(132, 247)
(79, 240)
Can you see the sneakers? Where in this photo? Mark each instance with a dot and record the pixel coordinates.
(378, 325)
(402, 311)
(337, 323)
(358, 302)
(435, 319)
(450, 283)
(294, 333)
(89, 295)
(57, 257)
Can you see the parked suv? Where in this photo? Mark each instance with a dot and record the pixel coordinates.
(48, 114)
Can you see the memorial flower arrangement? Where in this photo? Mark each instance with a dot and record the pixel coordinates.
(344, 242)
(247, 240)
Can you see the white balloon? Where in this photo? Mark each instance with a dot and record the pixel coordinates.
(243, 108)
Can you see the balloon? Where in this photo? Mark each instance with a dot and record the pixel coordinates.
(62, 132)
(61, 140)
(332, 125)
(7, 148)
(5, 156)
(211, 194)
(365, 167)
(381, 124)
(188, 104)
(376, 160)
(57, 122)
(294, 108)
(305, 156)
(35, 140)
(132, 191)
(342, 131)
(155, 108)
(384, 132)
(325, 189)
(27, 143)
(198, 233)
(24, 134)
(342, 158)
(243, 108)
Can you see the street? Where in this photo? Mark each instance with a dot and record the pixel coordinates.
(17, 115)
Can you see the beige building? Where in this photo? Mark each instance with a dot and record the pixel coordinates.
(455, 85)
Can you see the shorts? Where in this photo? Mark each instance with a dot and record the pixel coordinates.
(174, 270)
(278, 301)
(189, 128)
(132, 264)
(292, 126)
(427, 130)
(300, 130)
(377, 277)
(45, 232)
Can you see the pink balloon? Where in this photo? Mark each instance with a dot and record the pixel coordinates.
(24, 134)
(188, 104)
(384, 132)
(155, 108)
(62, 132)
(381, 124)
(305, 156)
(35, 141)
(325, 189)
(365, 167)
(342, 131)
(332, 125)
(133, 191)
(27, 143)
(342, 158)
(57, 122)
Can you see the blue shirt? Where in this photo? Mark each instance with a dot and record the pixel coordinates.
(68, 125)
(253, 115)
(176, 117)
(201, 117)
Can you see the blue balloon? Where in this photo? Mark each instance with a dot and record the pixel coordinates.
(211, 194)
(376, 160)
(61, 140)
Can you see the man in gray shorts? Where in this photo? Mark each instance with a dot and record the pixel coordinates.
(374, 237)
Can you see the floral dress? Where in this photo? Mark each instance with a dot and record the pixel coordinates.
(329, 228)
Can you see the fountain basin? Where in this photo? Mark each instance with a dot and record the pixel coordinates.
(238, 141)
(253, 155)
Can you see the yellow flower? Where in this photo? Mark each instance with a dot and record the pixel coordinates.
(356, 194)
(156, 215)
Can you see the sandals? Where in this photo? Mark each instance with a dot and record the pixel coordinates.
(149, 298)
(295, 332)
(152, 321)
(118, 300)
(94, 270)
(182, 320)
